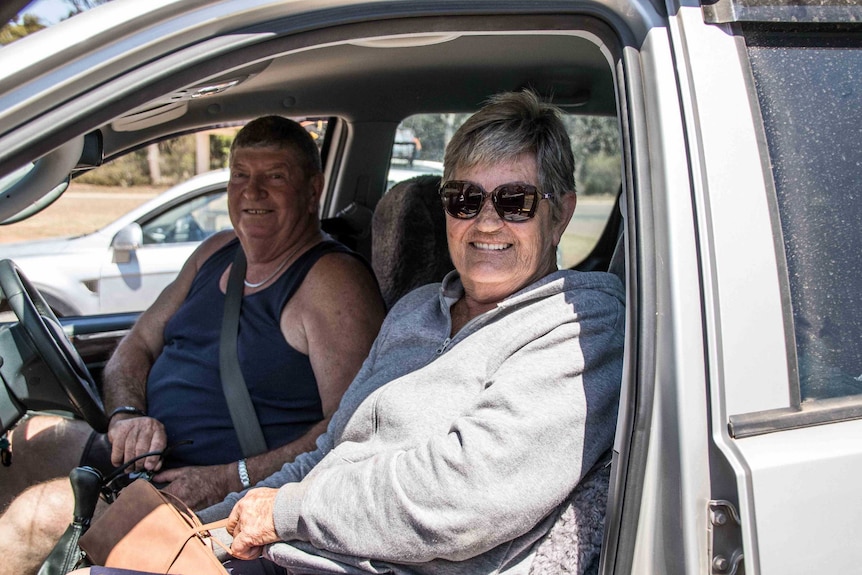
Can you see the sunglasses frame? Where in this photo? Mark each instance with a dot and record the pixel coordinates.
(460, 185)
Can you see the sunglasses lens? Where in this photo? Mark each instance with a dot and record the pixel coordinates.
(516, 202)
(513, 202)
(462, 200)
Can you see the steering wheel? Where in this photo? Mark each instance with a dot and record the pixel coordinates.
(44, 331)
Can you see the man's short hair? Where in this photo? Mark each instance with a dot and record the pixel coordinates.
(279, 132)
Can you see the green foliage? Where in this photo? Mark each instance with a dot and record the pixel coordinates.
(219, 151)
(593, 134)
(595, 144)
(14, 31)
(28, 23)
(176, 163)
(177, 159)
(434, 130)
(130, 170)
(599, 174)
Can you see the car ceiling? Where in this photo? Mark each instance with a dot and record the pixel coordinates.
(455, 72)
(372, 73)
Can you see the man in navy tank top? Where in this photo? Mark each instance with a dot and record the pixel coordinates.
(310, 311)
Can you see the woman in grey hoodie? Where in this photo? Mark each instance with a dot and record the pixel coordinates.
(484, 400)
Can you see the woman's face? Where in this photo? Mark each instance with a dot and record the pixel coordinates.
(496, 258)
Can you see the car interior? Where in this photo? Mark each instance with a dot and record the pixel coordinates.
(365, 78)
(730, 217)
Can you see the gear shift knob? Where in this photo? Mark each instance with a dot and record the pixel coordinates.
(86, 483)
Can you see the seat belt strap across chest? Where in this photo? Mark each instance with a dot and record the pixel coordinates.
(242, 413)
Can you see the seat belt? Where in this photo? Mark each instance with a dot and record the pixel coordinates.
(239, 404)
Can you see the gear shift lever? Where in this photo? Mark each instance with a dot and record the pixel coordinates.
(86, 485)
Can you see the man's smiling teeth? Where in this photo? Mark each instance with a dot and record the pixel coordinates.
(257, 212)
(483, 246)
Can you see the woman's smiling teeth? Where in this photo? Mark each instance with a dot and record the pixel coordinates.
(484, 246)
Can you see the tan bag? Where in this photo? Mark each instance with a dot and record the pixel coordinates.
(147, 530)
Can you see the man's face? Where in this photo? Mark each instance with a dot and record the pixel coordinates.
(269, 198)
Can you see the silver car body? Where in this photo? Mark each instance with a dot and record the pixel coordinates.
(105, 272)
(709, 343)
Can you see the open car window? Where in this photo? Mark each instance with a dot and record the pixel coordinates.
(112, 239)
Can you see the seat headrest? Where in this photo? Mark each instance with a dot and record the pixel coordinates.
(408, 246)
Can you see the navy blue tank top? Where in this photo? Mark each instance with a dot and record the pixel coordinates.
(184, 389)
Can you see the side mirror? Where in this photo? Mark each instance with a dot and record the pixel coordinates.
(126, 241)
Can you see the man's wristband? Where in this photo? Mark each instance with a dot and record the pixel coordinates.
(127, 409)
(243, 474)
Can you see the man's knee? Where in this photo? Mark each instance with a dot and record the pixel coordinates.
(42, 511)
(46, 438)
(43, 448)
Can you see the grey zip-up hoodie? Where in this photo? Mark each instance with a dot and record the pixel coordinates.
(449, 456)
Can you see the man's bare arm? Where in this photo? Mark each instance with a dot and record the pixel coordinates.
(340, 310)
(125, 374)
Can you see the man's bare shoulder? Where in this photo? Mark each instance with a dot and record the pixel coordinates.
(341, 275)
(338, 306)
(210, 246)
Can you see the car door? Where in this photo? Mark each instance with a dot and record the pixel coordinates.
(132, 277)
(773, 118)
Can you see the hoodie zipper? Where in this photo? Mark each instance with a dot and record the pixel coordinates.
(444, 345)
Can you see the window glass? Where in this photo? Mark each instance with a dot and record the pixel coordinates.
(191, 221)
(99, 197)
(77, 230)
(421, 140)
(598, 173)
(811, 101)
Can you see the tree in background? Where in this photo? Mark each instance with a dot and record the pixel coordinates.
(175, 162)
(79, 6)
(595, 144)
(28, 22)
(15, 30)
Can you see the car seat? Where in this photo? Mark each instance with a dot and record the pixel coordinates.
(574, 543)
(409, 249)
(408, 238)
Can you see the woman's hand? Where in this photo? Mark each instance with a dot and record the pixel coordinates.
(251, 523)
(134, 436)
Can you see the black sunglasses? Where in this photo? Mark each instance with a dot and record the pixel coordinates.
(514, 202)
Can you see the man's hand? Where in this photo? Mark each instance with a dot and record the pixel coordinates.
(251, 523)
(134, 436)
(198, 487)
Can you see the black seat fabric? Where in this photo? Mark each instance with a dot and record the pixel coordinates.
(408, 246)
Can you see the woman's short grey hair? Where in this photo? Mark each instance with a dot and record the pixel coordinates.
(511, 124)
(280, 132)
